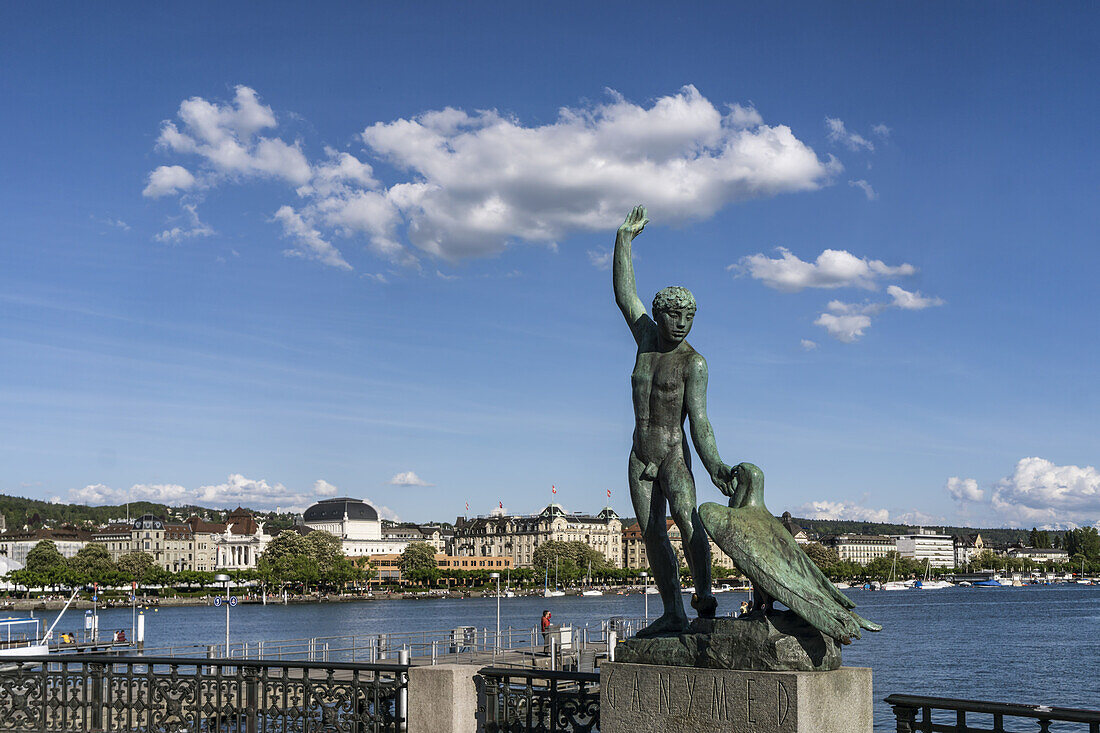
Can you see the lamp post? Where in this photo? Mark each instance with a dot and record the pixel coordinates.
(645, 593)
(223, 578)
(496, 576)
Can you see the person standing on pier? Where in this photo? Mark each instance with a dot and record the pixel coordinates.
(544, 624)
(669, 383)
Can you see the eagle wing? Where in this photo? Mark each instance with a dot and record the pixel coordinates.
(772, 560)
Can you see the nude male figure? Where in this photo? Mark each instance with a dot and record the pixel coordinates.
(669, 383)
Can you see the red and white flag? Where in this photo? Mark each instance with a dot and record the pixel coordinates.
(500, 504)
(609, 493)
(553, 490)
(467, 506)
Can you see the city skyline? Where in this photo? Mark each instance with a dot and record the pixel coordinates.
(380, 271)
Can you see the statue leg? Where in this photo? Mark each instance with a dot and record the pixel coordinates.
(649, 506)
(680, 489)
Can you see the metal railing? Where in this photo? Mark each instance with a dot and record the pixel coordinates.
(461, 645)
(948, 715)
(539, 701)
(106, 694)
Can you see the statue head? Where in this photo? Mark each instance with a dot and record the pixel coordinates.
(674, 312)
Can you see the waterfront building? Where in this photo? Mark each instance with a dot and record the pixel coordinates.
(967, 547)
(925, 546)
(17, 544)
(517, 536)
(635, 557)
(860, 548)
(356, 524)
(801, 535)
(238, 544)
(388, 566)
(1038, 554)
(115, 537)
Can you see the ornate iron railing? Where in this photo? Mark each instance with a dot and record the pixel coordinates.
(172, 695)
(523, 700)
(907, 707)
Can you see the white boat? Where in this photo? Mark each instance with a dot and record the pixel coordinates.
(841, 586)
(651, 591)
(895, 585)
(552, 593)
(935, 584)
(591, 592)
(21, 637)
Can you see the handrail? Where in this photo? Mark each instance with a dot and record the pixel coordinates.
(914, 703)
(539, 674)
(115, 660)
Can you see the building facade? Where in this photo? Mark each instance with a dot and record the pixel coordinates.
(635, 557)
(1038, 555)
(967, 548)
(388, 566)
(517, 537)
(925, 546)
(17, 545)
(356, 524)
(860, 548)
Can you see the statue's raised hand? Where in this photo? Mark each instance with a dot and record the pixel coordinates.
(635, 222)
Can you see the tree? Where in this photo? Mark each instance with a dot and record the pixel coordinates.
(93, 564)
(137, 566)
(418, 557)
(46, 565)
(326, 549)
(578, 555)
(1084, 541)
(824, 557)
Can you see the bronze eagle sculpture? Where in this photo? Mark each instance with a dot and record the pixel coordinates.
(779, 570)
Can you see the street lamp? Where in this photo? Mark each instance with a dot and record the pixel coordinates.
(496, 576)
(645, 592)
(223, 578)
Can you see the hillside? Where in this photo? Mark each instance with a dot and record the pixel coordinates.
(19, 512)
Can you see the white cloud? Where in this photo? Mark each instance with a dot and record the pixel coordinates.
(839, 133)
(600, 258)
(832, 269)
(911, 301)
(195, 227)
(384, 512)
(236, 490)
(1041, 492)
(841, 510)
(480, 181)
(225, 139)
(915, 518)
(498, 511)
(98, 494)
(168, 179)
(964, 489)
(808, 345)
(379, 277)
(408, 478)
(116, 223)
(847, 321)
(881, 130)
(324, 488)
(309, 242)
(864, 186)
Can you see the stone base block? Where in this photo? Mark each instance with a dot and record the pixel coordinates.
(664, 699)
(443, 699)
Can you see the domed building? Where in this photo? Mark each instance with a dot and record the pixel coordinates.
(347, 518)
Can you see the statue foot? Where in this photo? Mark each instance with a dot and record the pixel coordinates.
(706, 606)
(667, 624)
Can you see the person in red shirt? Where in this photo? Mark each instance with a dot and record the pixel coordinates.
(545, 625)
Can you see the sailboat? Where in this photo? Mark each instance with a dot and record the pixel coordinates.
(590, 591)
(546, 592)
(928, 583)
(893, 583)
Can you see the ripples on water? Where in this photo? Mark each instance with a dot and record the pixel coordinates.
(1033, 645)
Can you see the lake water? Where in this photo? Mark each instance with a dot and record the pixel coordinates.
(1034, 645)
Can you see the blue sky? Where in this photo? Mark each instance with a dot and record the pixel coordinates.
(264, 256)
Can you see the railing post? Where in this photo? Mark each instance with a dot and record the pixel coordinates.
(251, 697)
(403, 691)
(95, 671)
(906, 718)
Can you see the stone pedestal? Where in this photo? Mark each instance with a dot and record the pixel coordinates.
(443, 699)
(666, 699)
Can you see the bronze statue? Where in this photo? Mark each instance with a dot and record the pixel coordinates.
(669, 383)
(778, 568)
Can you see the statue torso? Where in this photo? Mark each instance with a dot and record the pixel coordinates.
(657, 385)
